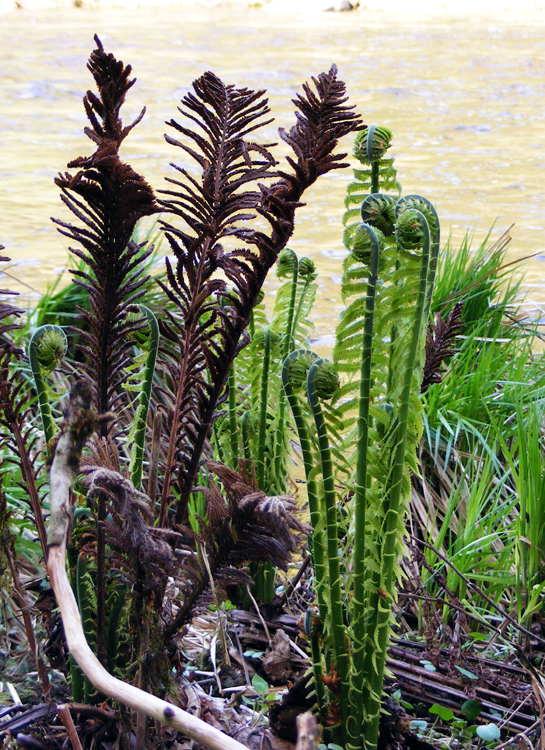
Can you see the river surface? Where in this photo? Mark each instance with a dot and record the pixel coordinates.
(465, 99)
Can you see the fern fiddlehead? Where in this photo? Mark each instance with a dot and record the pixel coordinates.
(371, 145)
(425, 207)
(301, 283)
(377, 172)
(46, 350)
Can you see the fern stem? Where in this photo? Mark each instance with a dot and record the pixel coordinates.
(375, 177)
(113, 629)
(316, 540)
(381, 599)
(333, 557)
(28, 474)
(233, 422)
(24, 606)
(288, 334)
(217, 444)
(260, 468)
(263, 574)
(316, 654)
(357, 603)
(298, 312)
(245, 427)
(144, 399)
(375, 173)
(84, 593)
(314, 504)
(287, 347)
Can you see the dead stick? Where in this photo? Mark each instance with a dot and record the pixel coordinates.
(66, 718)
(78, 426)
(294, 581)
(308, 733)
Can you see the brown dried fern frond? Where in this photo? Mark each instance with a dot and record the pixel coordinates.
(243, 525)
(215, 309)
(108, 197)
(439, 345)
(136, 551)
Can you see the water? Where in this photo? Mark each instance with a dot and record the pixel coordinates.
(464, 98)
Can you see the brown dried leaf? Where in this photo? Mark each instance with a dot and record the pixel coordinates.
(277, 662)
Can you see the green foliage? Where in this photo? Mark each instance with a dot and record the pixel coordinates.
(444, 713)
(257, 421)
(256, 425)
(450, 729)
(482, 448)
(489, 732)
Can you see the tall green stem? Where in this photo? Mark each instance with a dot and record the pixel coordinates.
(141, 416)
(289, 332)
(375, 176)
(357, 603)
(233, 422)
(315, 506)
(260, 468)
(382, 597)
(371, 156)
(333, 552)
(263, 573)
(287, 347)
(316, 540)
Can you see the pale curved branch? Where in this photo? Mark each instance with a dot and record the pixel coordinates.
(78, 426)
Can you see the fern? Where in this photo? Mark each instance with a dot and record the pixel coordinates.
(107, 197)
(258, 417)
(213, 317)
(364, 444)
(255, 415)
(18, 437)
(218, 261)
(295, 297)
(378, 174)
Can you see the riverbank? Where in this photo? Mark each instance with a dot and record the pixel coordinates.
(522, 10)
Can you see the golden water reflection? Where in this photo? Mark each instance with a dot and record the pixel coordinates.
(464, 99)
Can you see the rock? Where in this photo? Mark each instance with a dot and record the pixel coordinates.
(341, 5)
